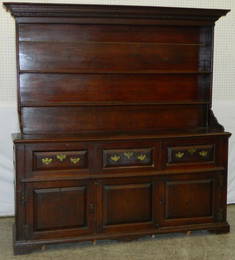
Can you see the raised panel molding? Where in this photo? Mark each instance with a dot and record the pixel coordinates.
(127, 203)
(50, 206)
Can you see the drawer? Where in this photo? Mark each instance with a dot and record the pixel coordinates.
(57, 159)
(186, 152)
(60, 160)
(129, 155)
(191, 154)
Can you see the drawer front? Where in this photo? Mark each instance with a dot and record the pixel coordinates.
(127, 157)
(191, 154)
(60, 160)
(52, 160)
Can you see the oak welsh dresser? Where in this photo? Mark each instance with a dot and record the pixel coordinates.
(118, 139)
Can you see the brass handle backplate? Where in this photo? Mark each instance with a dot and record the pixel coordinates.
(141, 157)
(115, 158)
(179, 155)
(203, 153)
(61, 157)
(46, 161)
(75, 160)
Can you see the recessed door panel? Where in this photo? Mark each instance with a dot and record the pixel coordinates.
(59, 209)
(64, 208)
(189, 199)
(128, 204)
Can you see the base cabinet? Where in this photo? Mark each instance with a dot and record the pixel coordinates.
(60, 209)
(79, 191)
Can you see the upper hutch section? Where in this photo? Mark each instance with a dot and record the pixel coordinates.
(96, 68)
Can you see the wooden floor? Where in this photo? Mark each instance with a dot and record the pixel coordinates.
(197, 246)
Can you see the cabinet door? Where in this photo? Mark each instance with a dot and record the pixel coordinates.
(189, 199)
(127, 204)
(59, 209)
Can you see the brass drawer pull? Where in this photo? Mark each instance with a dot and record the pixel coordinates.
(203, 153)
(75, 160)
(141, 157)
(179, 155)
(128, 154)
(61, 157)
(46, 161)
(192, 151)
(115, 158)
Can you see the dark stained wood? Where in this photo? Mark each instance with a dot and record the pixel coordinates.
(127, 157)
(189, 199)
(128, 203)
(72, 120)
(57, 160)
(108, 33)
(93, 56)
(20, 138)
(53, 88)
(60, 160)
(47, 203)
(55, 201)
(113, 11)
(188, 153)
(189, 194)
(118, 139)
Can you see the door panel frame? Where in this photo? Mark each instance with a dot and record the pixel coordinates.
(60, 232)
(194, 178)
(152, 224)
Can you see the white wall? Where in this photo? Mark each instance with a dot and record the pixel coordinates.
(223, 92)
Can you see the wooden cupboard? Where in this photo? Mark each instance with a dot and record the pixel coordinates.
(118, 139)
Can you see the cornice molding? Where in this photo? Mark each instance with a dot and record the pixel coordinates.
(113, 11)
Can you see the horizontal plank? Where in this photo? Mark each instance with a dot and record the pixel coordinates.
(113, 21)
(120, 136)
(103, 57)
(110, 104)
(136, 72)
(54, 88)
(74, 120)
(108, 33)
(120, 174)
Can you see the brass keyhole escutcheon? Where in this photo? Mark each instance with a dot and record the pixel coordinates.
(128, 154)
(192, 151)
